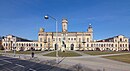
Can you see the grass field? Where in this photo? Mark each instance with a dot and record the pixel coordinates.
(122, 58)
(63, 54)
(101, 52)
(1, 51)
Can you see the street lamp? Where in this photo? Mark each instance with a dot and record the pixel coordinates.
(14, 48)
(47, 17)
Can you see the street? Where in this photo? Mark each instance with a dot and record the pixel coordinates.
(14, 64)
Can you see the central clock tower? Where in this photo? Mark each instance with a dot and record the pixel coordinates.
(64, 34)
(64, 25)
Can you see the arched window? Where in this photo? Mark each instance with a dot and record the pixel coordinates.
(120, 45)
(34, 45)
(4, 44)
(79, 45)
(87, 45)
(19, 44)
(22, 44)
(91, 45)
(101, 45)
(72, 46)
(87, 39)
(37, 45)
(27, 44)
(121, 40)
(111, 45)
(125, 45)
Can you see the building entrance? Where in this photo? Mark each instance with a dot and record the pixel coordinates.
(72, 46)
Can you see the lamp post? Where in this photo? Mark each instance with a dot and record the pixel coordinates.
(14, 48)
(47, 17)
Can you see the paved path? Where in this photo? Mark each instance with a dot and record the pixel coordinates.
(46, 52)
(113, 54)
(96, 62)
(81, 53)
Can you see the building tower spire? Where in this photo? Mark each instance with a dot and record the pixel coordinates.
(90, 29)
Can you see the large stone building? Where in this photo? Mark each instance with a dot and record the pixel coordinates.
(11, 42)
(66, 40)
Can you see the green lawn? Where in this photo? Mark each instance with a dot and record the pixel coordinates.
(1, 51)
(24, 52)
(102, 52)
(63, 54)
(122, 58)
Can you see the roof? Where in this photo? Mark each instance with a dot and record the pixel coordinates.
(109, 38)
(22, 39)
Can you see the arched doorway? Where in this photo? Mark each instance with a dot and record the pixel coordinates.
(22, 48)
(72, 46)
(97, 49)
(32, 48)
(107, 49)
(79, 46)
(56, 46)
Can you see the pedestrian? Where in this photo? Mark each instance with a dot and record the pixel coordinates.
(32, 54)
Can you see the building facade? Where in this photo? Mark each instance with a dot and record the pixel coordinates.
(66, 40)
(0, 42)
(11, 42)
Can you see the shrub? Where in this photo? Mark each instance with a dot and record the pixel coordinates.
(79, 67)
(1, 48)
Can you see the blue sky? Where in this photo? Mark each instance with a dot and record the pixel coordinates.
(24, 17)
